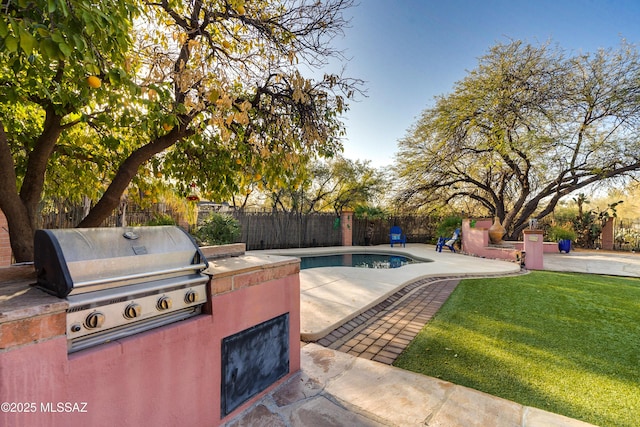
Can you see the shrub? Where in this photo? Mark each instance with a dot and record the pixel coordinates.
(218, 229)
(162, 219)
(448, 226)
(558, 233)
(370, 212)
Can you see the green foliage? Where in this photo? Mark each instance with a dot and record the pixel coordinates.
(565, 343)
(448, 225)
(557, 233)
(370, 212)
(335, 184)
(162, 219)
(218, 229)
(589, 224)
(101, 98)
(529, 125)
(48, 48)
(47, 51)
(563, 215)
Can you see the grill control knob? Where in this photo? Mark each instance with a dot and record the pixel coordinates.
(132, 311)
(191, 297)
(164, 303)
(94, 320)
(76, 327)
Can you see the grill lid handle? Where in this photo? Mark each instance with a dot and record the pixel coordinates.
(131, 235)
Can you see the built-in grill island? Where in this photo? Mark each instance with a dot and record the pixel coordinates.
(120, 281)
(107, 285)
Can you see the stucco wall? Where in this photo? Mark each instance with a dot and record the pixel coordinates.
(169, 376)
(475, 240)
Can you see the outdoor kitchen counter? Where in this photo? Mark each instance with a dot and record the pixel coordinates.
(237, 272)
(27, 314)
(149, 377)
(19, 299)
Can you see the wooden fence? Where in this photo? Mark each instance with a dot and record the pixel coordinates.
(268, 230)
(418, 229)
(279, 230)
(66, 215)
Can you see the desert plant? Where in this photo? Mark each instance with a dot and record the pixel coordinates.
(557, 233)
(589, 224)
(218, 229)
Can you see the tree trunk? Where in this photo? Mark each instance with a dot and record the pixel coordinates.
(121, 220)
(18, 218)
(86, 206)
(127, 171)
(21, 209)
(21, 232)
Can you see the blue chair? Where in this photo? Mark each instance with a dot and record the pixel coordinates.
(448, 243)
(396, 236)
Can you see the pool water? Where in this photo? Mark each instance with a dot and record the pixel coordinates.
(362, 260)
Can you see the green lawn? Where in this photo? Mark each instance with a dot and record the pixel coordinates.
(566, 343)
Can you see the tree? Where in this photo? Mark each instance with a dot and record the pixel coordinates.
(588, 225)
(46, 51)
(353, 183)
(200, 86)
(529, 126)
(330, 185)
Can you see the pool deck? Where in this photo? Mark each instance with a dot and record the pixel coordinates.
(343, 383)
(331, 296)
(595, 262)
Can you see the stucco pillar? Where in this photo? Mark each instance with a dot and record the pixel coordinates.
(346, 226)
(607, 235)
(533, 248)
(5, 244)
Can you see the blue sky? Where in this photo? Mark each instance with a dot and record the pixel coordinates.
(409, 51)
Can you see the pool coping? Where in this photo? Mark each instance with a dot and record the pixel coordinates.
(332, 296)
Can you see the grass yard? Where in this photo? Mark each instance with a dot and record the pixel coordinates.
(563, 342)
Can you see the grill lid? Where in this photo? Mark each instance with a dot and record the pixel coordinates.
(81, 260)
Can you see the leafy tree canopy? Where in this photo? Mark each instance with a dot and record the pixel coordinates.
(102, 97)
(331, 185)
(529, 126)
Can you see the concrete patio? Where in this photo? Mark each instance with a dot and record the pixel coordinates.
(331, 296)
(338, 389)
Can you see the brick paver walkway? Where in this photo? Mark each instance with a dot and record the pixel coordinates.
(384, 331)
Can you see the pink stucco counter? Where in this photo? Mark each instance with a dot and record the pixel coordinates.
(167, 376)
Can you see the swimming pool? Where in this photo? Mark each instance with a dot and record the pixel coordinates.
(357, 259)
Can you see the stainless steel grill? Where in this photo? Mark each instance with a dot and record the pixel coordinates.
(120, 281)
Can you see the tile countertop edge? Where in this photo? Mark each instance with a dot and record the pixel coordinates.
(224, 267)
(19, 299)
